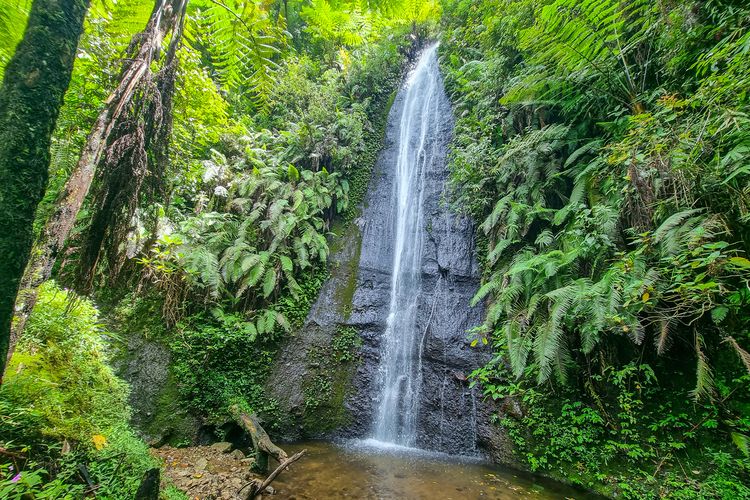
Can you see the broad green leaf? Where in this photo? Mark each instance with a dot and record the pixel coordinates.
(286, 263)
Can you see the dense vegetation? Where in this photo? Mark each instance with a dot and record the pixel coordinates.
(602, 147)
(64, 406)
(271, 116)
(208, 155)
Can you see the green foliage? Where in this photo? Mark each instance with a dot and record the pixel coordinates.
(346, 344)
(13, 17)
(589, 237)
(217, 364)
(268, 226)
(349, 26)
(582, 56)
(122, 18)
(336, 27)
(621, 439)
(61, 405)
(34, 483)
(220, 361)
(50, 358)
(595, 145)
(242, 42)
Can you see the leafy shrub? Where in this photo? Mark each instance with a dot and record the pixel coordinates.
(594, 145)
(62, 406)
(59, 370)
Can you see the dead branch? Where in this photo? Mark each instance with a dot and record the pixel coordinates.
(257, 487)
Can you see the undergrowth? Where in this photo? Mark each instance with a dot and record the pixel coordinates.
(62, 410)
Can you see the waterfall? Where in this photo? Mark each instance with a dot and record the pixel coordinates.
(403, 277)
(400, 365)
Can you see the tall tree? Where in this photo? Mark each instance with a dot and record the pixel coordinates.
(32, 92)
(136, 81)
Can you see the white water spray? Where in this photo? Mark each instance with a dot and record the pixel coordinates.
(400, 365)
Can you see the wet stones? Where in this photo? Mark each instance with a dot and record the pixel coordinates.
(222, 447)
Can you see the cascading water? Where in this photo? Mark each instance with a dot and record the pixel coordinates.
(402, 278)
(400, 365)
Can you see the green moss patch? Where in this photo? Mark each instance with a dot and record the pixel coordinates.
(330, 371)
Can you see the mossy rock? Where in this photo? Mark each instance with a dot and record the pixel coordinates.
(330, 370)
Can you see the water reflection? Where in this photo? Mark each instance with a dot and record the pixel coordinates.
(368, 470)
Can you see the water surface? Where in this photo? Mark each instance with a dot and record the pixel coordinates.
(366, 470)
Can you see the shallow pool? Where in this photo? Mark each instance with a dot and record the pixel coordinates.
(370, 470)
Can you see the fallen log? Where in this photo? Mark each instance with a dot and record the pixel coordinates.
(257, 487)
(261, 442)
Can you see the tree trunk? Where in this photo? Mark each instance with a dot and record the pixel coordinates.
(134, 166)
(59, 225)
(32, 92)
(261, 442)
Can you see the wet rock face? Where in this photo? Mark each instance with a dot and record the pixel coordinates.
(145, 365)
(158, 414)
(451, 416)
(448, 409)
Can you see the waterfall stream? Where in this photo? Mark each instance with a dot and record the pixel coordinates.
(403, 278)
(400, 366)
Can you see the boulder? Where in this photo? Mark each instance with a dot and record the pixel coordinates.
(222, 447)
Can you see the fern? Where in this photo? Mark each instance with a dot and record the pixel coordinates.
(518, 347)
(742, 442)
(704, 382)
(550, 340)
(741, 353)
(669, 227)
(592, 44)
(269, 282)
(348, 26)
(489, 287)
(274, 227)
(123, 18)
(662, 340)
(243, 43)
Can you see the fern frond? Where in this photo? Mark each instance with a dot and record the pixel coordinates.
(672, 222)
(663, 340)
(743, 354)
(704, 378)
(492, 284)
(549, 340)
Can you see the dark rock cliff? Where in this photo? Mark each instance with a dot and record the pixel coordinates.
(339, 399)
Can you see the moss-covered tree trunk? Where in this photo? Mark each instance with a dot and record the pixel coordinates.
(135, 77)
(35, 81)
